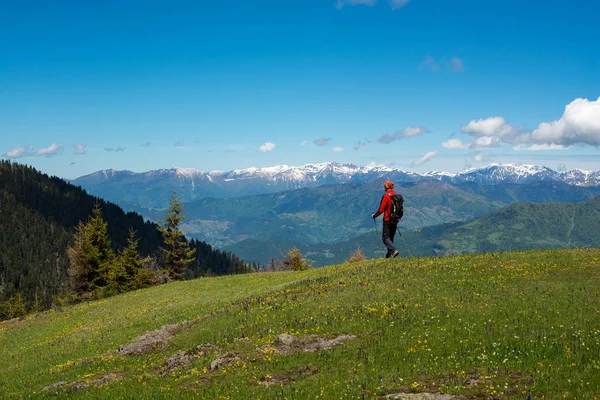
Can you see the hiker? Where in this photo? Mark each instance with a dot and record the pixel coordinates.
(392, 209)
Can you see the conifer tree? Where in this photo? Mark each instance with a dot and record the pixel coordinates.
(13, 308)
(178, 254)
(127, 272)
(90, 255)
(294, 260)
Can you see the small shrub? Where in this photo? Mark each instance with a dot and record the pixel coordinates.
(357, 256)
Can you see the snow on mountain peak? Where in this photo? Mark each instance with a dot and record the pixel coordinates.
(283, 177)
(187, 172)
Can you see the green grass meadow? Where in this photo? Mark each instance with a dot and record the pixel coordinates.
(486, 326)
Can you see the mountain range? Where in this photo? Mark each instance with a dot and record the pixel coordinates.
(153, 188)
(521, 226)
(336, 213)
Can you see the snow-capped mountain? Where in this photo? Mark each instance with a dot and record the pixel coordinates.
(152, 188)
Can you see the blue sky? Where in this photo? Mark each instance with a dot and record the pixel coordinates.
(415, 84)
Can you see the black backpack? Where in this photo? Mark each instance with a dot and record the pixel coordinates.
(397, 211)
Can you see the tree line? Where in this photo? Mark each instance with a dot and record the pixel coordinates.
(44, 241)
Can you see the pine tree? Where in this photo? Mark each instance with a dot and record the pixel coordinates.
(294, 260)
(90, 255)
(127, 271)
(178, 254)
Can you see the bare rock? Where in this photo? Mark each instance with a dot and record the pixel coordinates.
(224, 361)
(152, 340)
(326, 344)
(420, 396)
(80, 385)
(286, 339)
(183, 358)
(276, 379)
(54, 386)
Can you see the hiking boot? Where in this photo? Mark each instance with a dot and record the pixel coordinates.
(395, 253)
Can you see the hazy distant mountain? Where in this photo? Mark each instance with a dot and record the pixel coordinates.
(153, 188)
(335, 213)
(521, 226)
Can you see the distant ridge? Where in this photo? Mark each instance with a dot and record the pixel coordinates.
(152, 187)
(520, 226)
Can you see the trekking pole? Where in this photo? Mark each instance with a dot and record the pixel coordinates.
(403, 241)
(375, 223)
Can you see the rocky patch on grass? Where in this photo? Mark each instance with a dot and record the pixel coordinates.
(289, 376)
(184, 358)
(321, 343)
(474, 382)
(420, 396)
(224, 361)
(309, 343)
(286, 339)
(151, 341)
(79, 385)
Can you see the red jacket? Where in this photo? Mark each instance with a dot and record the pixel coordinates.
(386, 205)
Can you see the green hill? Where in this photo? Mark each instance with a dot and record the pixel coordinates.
(483, 326)
(521, 226)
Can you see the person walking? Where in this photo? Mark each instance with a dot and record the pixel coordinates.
(390, 218)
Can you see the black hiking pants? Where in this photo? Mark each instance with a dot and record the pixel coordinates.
(387, 235)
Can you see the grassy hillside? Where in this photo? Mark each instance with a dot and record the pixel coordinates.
(480, 326)
(521, 226)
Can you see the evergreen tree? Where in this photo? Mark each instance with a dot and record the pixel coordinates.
(127, 271)
(294, 260)
(13, 308)
(178, 254)
(90, 255)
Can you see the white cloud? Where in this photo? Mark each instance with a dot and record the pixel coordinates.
(18, 152)
(540, 147)
(396, 4)
(401, 134)
(338, 149)
(455, 144)
(430, 64)
(480, 157)
(322, 141)
(385, 139)
(484, 142)
(304, 143)
(79, 148)
(494, 126)
(341, 3)
(117, 149)
(410, 131)
(266, 147)
(427, 157)
(360, 145)
(49, 151)
(580, 124)
(457, 65)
